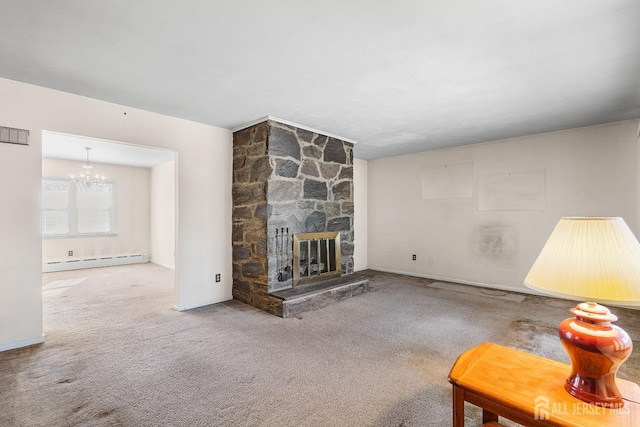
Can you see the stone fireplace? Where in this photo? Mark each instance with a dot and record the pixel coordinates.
(290, 185)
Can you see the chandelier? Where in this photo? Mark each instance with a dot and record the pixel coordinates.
(86, 179)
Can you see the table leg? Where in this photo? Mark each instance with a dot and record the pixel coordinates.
(458, 406)
(488, 416)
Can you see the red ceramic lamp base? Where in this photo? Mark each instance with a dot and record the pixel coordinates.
(597, 349)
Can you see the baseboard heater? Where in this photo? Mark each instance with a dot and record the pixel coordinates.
(105, 261)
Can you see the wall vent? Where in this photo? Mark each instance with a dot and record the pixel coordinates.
(14, 136)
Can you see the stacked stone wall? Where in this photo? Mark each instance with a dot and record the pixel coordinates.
(310, 190)
(251, 171)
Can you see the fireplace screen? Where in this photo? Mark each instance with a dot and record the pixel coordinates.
(316, 256)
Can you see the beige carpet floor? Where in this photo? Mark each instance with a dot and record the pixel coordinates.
(116, 354)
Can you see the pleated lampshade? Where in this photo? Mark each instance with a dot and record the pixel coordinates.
(597, 259)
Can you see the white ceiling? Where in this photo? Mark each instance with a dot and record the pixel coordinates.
(72, 147)
(398, 77)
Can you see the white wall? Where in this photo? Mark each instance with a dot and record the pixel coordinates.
(163, 200)
(204, 155)
(131, 207)
(591, 171)
(21, 244)
(360, 261)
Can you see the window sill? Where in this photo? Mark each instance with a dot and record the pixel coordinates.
(78, 236)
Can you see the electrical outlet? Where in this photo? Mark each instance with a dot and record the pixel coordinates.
(414, 257)
(70, 253)
(218, 277)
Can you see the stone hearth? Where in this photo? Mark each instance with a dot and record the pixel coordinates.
(286, 180)
(317, 295)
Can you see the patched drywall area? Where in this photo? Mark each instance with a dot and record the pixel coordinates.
(491, 233)
(495, 244)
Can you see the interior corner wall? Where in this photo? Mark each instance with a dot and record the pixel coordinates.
(638, 179)
(131, 207)
(204, 155)
(360, 261)
(590, 171)
(163, 202)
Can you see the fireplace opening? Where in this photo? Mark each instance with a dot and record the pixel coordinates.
(316, 256)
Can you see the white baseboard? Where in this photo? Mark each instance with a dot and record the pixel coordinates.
(201, 304)
(161, 264)
(464, 282)
(486, 285)
(22, 343)
(93, 262)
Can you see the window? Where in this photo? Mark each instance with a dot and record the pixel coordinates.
(73, 210)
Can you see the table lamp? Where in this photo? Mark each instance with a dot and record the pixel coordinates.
(597, 259)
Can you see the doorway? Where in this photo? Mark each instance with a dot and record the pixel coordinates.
(127, 215)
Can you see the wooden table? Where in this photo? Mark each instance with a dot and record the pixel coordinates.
(529, 390)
